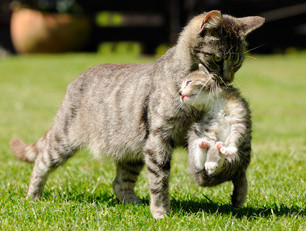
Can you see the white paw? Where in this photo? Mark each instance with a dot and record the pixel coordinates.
(203, 143)
(211, 167)
(228, 150)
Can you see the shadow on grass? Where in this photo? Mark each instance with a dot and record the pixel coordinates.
(249, 212)
(187, 207)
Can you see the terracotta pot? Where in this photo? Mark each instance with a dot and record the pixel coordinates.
(36, 32)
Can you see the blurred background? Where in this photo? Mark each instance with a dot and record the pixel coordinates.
(147, 27)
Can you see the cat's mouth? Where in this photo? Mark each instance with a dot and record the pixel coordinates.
(186, 97)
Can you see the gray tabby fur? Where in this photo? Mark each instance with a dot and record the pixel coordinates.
(132, 113)
(219, 145)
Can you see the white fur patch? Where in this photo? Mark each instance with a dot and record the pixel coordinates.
(211, 167)
(199, 157)
(228, 150)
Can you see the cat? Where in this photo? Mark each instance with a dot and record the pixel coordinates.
(219, 145)
(132, 112)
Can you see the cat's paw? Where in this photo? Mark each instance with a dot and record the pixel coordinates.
(130, 199)
(228, 150)
(219, 145)
(203, 143)
(159, 212)
(211, 167)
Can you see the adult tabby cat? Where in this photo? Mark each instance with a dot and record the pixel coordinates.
(132, 112)
(219, 145)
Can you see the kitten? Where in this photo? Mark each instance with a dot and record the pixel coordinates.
(131, 112)
(222, 139)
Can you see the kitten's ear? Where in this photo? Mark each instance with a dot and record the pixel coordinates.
(248, 24)
(203, 69)
(213, 19)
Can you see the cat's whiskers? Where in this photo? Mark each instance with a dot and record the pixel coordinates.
(224, 83)
(254, 48)
(217, 86)
(252, 57)
(209, 94)
(204, 85)
(228, 52)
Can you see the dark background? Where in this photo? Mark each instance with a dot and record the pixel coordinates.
(154, 22)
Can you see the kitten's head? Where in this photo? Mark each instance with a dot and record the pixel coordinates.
(218, 41)
(199, 88)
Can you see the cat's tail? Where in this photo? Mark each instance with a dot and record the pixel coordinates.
(23, 152)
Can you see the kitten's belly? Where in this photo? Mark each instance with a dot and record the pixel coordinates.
(225, 130)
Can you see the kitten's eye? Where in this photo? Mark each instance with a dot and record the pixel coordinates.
(218, 59)
(188, 82)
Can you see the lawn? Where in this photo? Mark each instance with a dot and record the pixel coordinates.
(79, 195)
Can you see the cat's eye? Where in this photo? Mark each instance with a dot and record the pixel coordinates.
(218, 59)
(188, 82)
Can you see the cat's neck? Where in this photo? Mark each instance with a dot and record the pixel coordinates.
(177, 62)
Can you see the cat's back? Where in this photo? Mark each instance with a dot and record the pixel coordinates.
(104, 80)
(111, 72)
(107, 107)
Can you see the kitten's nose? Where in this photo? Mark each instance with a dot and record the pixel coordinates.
(180, 92)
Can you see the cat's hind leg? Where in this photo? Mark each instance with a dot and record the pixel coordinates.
(214, 159)
(52, 152)
(240, 190)
(198, 148)
(124, 183)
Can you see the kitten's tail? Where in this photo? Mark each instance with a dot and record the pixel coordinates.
(23, 152)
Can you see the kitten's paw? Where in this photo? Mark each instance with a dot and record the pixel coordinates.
(228, 150)
(203, 143)
(219, 145)
(211, 167)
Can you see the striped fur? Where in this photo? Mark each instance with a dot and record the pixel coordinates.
(131, 113)
(226, 126)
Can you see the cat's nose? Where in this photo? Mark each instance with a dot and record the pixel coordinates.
(180, 92)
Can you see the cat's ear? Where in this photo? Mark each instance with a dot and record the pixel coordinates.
(203, 69)
(212, 19)
(248, 24)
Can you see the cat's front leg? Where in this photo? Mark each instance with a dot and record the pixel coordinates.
(157, 157)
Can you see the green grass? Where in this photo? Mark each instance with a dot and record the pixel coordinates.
(79, 195)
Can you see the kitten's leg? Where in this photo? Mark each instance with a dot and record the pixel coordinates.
(124, 183)
(214, 160)
(226, 150)
(52, 152)
(198, 149)
(240, 190)
(158, 156)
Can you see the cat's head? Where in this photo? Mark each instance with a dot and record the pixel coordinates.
(218, 41)
(199, 88)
